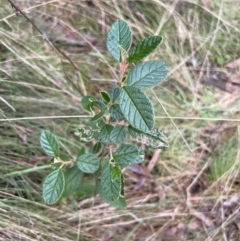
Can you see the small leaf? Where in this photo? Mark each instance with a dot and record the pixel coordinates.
(147, 74)
(119, 37)
(86, 101)
(105, 96)
(144, 48)
(99, 105)
(123, 79)
(49, 143)
(118, 135)
(114, 93)
(97, 147)
(116, 173)
(154, 138)
(116, 113)
(105, 133)
(53, 186)
(137, 108)
(73, 179)
(110, 189)
(127, 154)
(87, 188)
(120, 203)
(88, 163)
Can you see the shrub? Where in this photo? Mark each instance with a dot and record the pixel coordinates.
(123, 111)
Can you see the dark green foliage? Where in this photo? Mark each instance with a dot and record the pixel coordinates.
(144, 48)
(49, 144)
(73, 179)
(124, 107)
(119, 38)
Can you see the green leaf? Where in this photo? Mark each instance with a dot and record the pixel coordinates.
(86, 101)
(64, 157)
(144, 48)
(137, 108)
(97, 147)
(119, 37)
(110, 189)
(105, 96)
(73, 179)
(147, 74)
(120, 203)
(154, 138)
(114, 93)
(53, 186)
(116, 173)
(118, 135)
(49, 143)
(87, 188)
(134, 132)
(123, 79)
(81, 151)
(116, 113)
(105, 133)
(127, 154)
(88, 163)
(100, 106)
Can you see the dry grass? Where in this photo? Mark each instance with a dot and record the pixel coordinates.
(189, 191)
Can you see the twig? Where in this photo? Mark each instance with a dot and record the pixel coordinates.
(44, 117)
(158, 100)
(29, 170)
(194, 182)
(86, 116)
(153, 161)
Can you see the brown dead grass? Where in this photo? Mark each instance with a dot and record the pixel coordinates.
(176, 194)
